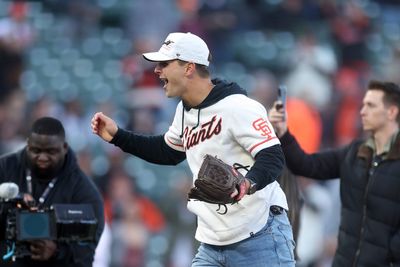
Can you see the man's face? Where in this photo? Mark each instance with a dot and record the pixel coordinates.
(46, 154)
(172, 74)
(374, 114)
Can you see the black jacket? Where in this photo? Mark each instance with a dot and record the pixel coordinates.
(72, 187)
(369, 232)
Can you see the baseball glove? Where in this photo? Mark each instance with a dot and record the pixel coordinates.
(216, 182)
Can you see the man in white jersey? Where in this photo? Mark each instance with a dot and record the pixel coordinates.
(217, 118)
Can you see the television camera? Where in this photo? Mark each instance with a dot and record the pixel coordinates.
(21, 223)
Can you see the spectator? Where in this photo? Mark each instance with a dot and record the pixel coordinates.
(133, 218)
(369, 174)
(16, 36)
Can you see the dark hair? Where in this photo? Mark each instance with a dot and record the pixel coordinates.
(391, 93)
(48, 126)
(202, 70)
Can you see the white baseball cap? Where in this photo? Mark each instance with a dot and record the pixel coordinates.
(184, 46)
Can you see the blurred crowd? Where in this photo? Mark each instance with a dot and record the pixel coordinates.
(69, 59)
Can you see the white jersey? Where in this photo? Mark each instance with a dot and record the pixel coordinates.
(234, 129)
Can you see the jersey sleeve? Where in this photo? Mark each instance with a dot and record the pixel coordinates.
(251, 128)
(173, 136)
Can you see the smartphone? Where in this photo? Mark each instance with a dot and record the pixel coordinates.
(282, 91)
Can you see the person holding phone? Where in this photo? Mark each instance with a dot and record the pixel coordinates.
(369, 173)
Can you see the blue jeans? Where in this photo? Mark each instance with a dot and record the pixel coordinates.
(272, 246)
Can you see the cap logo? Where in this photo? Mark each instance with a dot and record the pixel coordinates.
(168, 42)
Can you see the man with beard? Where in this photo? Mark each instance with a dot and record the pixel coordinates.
(46, 172)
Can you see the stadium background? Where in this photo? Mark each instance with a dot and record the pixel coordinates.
(69, 59)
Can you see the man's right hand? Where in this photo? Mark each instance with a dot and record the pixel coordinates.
(277, 117)
(103, 126)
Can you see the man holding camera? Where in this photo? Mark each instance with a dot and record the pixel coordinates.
(47, 173)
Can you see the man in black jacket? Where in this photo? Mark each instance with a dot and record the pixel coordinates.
(46, 172)
(369, 170)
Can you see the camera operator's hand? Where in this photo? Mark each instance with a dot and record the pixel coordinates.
(43, 250)
(29, 200)
(277, 117)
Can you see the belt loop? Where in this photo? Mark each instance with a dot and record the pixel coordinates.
(276, 210)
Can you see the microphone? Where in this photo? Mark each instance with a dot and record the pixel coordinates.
(8, 190)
